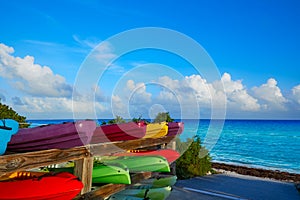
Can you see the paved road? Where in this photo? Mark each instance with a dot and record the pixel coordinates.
(224, 186)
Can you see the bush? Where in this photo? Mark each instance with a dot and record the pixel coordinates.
(140, 119)
(7, 112)
(117, 120)
(163, 117)
(191, 164)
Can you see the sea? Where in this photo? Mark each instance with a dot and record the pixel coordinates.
(267, 144)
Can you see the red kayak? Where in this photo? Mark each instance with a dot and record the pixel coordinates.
(175, 128)
(169, 154)
(61, 186)
(119, 132)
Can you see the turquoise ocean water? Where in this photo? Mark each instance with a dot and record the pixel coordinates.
(269, 144)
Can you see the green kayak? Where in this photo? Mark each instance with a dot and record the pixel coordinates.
(140, 163)
(112, 173)
(152, 193)
(124, 197)
(156, 182)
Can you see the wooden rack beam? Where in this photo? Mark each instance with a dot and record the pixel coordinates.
(23, 161)
(109, 189)
(83, 170)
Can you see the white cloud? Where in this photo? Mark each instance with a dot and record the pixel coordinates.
(195, 88)
(59, 105)
(31, 78)
(237, 95)
(270, 94)
(191, 88)
(119, 107)
(137, 93)
(89, 42)
(296, 93)
(101, 52)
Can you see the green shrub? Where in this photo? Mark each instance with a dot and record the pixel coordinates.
(7, 112)
(117, 120)
(140, 119)
(195, 161)
(163, 117)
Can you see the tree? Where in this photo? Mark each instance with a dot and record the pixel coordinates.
(140, 119)
(117, 120)
(7, 112)
(191, 164)
(163, 117)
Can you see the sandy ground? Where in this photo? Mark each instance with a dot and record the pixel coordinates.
(233, 186)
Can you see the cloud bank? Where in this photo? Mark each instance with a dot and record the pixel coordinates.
(40, 93)
(31, 78)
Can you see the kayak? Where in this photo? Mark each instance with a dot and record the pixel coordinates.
(22, 175)
(113, 173)
(147, 163)
(156, 182)
(54, 136)
(152, 193)
(59, 186)
(175, 128)
(156, 130)
(119, 132)
(124, 197)
(8, 127)
(169, 154)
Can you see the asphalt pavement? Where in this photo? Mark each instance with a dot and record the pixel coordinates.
(234, 187)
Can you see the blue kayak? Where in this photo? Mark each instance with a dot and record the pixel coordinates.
(8, 127)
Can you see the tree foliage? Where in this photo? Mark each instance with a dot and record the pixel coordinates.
(191, 164)
(140, 119)
(7, 112)
(117, 120)
(163, 117)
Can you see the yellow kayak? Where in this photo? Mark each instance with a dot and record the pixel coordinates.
(156, 130)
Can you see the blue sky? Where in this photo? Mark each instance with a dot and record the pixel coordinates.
(254, 44)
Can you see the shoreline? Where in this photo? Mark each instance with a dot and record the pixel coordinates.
(257, 172)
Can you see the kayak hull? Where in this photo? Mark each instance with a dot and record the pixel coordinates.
(175, 128)
(116, 174)
(8, 127)
(152, 193)
(119, 132)
(157, 182)
(55, 136)
(58, 187)
(169, 154)
(145, 163)
(156, 130)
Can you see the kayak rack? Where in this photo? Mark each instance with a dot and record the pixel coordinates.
(83, 157)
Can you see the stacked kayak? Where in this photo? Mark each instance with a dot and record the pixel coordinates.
(158, 188)
(59, 186)
(149, 193)
(113, 173)
(156, 130)
(157, 182)
(8, 127)
(21, 175)
(119, 132)
(55, 136)
(146, 163)
(175, 128)
(169, 154)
